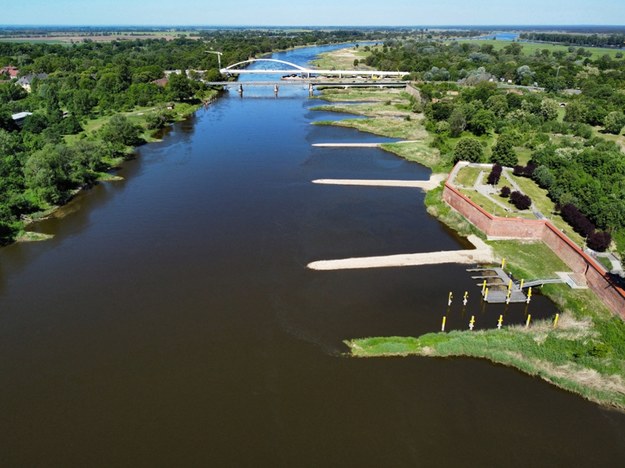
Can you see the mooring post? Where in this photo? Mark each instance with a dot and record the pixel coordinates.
(522, 283)
(472, 322)
(529, 295)
(465, 299)
(555, 320)
(499, 322)
(503, 263)
(450, 298)
(483, 287)
(444, 322)
(529, 319)
(486, 294)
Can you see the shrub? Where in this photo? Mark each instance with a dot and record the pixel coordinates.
(495, 174)
(578, 221)
(520, 201)
(505, 192)
(599, 241)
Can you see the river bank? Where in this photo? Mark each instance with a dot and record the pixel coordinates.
(584, 354)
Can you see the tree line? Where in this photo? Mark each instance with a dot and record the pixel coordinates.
(81, 87)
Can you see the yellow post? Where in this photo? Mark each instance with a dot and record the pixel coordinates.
(465, 299)
(444, 322)
(499, 322)
(450, 298)
(472, 322)
(522, 283)
(555, 320)
(486, 294)
(483, 287)
(503, 263)
(529, 294)
(509, 285)
(529, 319)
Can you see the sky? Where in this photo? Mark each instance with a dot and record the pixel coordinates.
(312, 13)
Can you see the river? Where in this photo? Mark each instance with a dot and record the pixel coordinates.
(172, 320)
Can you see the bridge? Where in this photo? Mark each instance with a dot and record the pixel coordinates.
(303, 71)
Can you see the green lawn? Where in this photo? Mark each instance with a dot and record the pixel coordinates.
(467, 176)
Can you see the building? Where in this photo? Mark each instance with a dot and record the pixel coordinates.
(26, 81)
(10, 71)
(19, 118)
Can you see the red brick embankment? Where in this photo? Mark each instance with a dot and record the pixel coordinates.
(517, 228)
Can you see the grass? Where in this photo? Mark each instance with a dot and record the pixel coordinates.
(584, 355)
(546, 207)
(420, 152)
(467, 176)
(361, 94)
(580, 356)
(530, 48)
(342, 59)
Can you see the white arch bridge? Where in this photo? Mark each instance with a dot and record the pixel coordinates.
(305, 72)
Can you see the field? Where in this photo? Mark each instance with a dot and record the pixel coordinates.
(74, 38)
(530, 48)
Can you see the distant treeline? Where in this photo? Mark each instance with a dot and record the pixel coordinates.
(590, 40)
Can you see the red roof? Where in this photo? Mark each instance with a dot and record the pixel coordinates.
(10, 70)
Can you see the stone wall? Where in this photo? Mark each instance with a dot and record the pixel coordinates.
(517, 228)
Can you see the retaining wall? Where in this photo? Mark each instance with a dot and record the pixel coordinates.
(516, 228)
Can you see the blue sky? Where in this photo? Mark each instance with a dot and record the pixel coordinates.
(316, 12)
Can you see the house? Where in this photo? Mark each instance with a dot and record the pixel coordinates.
(162, 82)
(10, 71)
(26, 81)
(19, 118)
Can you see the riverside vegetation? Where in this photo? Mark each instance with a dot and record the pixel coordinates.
(92, 102)
(585, 354)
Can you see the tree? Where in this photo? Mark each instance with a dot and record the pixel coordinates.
(457, 122)
(120, 131)
(599, 241)
(549, 109)
(495, 174)
(481, 122)
(503, 152)
(520, 201)
(505, 191)
(614, 122)
(468, 149)
(179, 87)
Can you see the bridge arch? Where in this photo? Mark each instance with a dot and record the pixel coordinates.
(296, 67)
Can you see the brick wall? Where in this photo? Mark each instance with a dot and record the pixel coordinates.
(567, 250)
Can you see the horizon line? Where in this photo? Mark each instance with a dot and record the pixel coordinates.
(449, 25)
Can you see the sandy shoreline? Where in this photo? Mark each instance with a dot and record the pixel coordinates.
(481, 254)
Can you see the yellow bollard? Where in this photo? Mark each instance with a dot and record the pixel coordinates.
(465, 299)
(529, 295)
(509, 285)
(483, 287)
(472, 322)
(555, 320)
(499, 322)
(450, 298)
(529, 319)
(522, 283)
(444, 322)
(503, 263)
(486, 294)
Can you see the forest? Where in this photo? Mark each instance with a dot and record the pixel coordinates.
(558, 113)
(87, 105)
